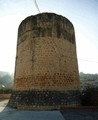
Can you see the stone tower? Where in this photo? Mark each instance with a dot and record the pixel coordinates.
(46, 69)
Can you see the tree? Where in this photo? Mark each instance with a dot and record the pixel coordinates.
(6, 79)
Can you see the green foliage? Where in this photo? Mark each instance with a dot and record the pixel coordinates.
(5, 91)
(89, 96)
(6, 80)
(84, 76)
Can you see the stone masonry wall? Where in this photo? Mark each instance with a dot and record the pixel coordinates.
(46, 58)
(37, 100)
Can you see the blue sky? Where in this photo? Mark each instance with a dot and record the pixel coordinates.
(82, 13)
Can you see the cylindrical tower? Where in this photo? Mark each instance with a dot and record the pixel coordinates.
(46, 70)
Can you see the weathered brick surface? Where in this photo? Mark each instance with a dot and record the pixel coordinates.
(46, 54)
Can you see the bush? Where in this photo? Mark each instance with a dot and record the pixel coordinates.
(5, 91)
(89, 96)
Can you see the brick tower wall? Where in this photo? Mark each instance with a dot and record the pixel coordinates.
(46, 70)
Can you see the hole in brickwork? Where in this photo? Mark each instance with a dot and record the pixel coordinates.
(46, 80)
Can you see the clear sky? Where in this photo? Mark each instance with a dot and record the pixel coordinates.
(82, 13)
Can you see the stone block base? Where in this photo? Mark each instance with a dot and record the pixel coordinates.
(44, 100)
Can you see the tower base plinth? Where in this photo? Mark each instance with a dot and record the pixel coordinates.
(44, 100)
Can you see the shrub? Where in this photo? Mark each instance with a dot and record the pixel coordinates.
(5, 91)
(89, 96)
